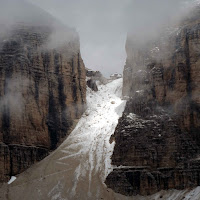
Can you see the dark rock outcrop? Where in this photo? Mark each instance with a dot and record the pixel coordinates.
(93, 77)
(91, 73)
(96, 76)
(42, 92)
(158, 137)
(151, 152)
(91, 83)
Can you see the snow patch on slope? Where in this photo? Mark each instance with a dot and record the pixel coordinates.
(13, 178)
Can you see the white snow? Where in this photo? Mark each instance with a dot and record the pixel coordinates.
(193, 194)
(89, 142)
(116, 75)
(139, 91)
(141, 71)
(131, 116)
(155, 50)
(13, 178)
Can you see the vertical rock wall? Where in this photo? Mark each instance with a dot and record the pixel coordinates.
(42, 92)
(158, 137)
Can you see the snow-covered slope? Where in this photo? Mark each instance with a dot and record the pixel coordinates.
(77, 169)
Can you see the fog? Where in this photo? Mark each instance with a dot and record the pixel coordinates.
(101, 24)
(13, 97)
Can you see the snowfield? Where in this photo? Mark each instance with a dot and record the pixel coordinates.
(91, 136)
(78, 168)
(12, 179)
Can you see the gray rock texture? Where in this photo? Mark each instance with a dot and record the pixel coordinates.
(158, 137)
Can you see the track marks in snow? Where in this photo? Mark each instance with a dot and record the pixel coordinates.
(89, 143)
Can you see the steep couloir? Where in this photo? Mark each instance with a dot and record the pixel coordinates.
(158, 137)
(42, 89)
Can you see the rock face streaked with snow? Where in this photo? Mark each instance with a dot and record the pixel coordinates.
(157, 139)
(151, 152)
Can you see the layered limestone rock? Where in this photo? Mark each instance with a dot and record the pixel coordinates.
(151, 152)
(42, 92)
(158, 137)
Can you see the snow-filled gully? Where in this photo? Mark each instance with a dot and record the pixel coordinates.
(89, 142)
(78, 168)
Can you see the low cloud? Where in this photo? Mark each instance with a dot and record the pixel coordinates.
(13, 95)
(102, 25)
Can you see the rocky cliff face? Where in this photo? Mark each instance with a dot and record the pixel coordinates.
(158, 137)
(42, 92)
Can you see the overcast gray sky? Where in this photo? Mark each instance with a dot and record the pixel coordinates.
(103, 25)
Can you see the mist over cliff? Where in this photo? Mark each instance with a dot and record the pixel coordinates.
(15, 13)
(42, 84)
(136, 136)
(103, 25)
(157, 139)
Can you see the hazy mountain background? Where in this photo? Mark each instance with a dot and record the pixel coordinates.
(103, 25)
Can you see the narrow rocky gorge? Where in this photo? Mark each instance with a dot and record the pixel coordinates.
(135, 138)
